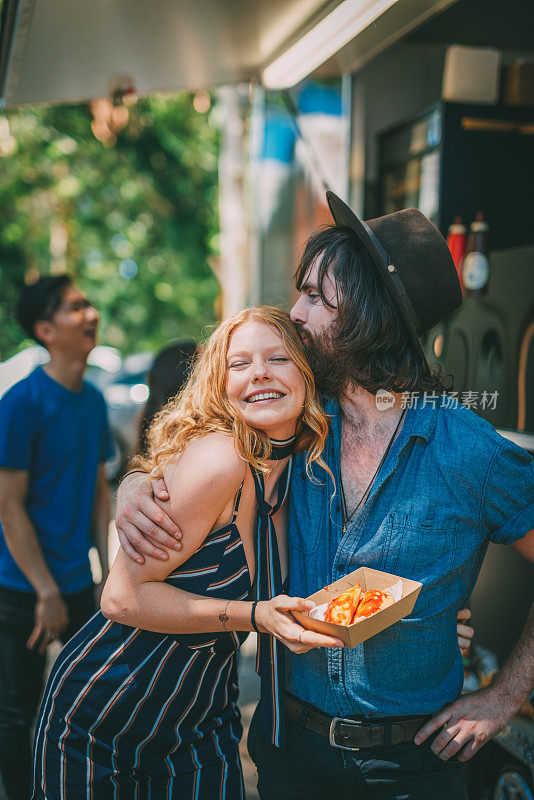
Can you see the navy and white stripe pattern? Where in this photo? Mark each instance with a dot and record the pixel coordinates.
(131, 715)
(270, 663)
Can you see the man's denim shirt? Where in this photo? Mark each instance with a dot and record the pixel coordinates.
(449, 485)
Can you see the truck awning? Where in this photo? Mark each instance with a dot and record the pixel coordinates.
(73, 50)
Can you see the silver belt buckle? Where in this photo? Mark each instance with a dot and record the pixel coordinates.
(332, 732)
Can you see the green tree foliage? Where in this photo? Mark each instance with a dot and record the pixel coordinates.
(134, 222)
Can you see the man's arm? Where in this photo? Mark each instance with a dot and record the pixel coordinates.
(100, 522)
(474, 718)
(138, 516)
(51, 617)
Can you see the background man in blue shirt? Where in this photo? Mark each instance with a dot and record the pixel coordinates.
(54, 503)
(421, 488)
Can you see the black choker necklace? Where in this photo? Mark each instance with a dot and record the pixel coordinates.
(282, 448)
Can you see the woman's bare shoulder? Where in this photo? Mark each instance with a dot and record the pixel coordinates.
(211, 461)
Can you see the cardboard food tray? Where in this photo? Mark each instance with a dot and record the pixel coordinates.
(358, 632)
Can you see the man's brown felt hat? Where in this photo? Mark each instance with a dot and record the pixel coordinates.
(414, 260)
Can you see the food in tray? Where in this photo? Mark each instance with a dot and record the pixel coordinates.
(341, 609)
(355, 605)
(372, 601)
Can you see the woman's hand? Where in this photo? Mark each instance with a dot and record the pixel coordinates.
(140, 521)
(465, 632)
(274, 617)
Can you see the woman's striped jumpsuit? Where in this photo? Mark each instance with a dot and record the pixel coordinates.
(131, 715)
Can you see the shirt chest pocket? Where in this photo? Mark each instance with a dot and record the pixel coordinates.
(423, 551)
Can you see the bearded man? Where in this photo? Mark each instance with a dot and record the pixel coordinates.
(422, 487)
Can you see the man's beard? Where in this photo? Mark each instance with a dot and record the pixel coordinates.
(331, 370)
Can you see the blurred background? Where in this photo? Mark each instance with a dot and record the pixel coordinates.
(175, 163)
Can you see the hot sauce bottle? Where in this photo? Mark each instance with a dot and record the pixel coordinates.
(475, 267)
(456, 242)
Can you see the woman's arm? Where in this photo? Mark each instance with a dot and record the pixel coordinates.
(156, 606)
(202, 486)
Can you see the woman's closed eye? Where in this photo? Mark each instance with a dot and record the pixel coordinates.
(243, 364)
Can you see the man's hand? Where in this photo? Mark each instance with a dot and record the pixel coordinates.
(140, 521)
(468, 723)
(474, 718)
(51, 619)
(465, 632)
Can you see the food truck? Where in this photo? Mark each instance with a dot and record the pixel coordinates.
(403, 103)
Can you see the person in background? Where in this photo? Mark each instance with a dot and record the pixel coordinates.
(54, 505)
(166, 378)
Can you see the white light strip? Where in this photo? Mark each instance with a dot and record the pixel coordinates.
(326, 38)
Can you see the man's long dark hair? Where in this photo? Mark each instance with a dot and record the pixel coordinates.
(369, 336)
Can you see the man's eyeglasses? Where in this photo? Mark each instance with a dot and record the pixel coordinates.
(77, 305)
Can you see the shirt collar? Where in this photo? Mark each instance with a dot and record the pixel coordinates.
(420, 420)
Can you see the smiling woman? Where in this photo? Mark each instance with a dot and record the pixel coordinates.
(147, 691)
(261, 382)
(255, 351)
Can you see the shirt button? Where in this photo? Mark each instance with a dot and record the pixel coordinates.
(335, 677)
(303, 475)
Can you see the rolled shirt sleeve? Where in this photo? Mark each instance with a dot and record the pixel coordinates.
(508, 502)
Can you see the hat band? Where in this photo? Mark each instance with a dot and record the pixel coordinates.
(403, 296)
(394, 277)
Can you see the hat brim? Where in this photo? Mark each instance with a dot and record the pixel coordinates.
(346, 218)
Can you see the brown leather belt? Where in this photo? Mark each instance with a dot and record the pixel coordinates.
(354, 734)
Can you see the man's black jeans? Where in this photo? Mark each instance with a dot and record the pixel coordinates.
(309, 768)
(21, 680)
